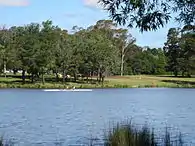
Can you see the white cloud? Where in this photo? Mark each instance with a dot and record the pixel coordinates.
(14, 2)
(91, 3)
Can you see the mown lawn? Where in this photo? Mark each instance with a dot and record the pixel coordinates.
(153, 81)
(110, 82)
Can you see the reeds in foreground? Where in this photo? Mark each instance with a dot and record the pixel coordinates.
(129, 135)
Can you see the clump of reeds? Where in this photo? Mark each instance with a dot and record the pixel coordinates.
(127, 134)
(5, 143)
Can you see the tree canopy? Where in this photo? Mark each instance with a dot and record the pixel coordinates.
(150, 14)
(100, 50)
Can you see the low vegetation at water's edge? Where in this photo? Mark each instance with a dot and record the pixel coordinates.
(127, 134)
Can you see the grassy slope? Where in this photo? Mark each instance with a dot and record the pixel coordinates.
(110, 82)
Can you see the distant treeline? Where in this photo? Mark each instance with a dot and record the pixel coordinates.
(100, 50)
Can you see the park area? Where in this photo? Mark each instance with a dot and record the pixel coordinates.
(137, 81)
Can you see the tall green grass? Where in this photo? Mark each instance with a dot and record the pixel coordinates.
(127, 134)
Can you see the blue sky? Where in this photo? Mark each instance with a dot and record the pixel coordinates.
(68, 13)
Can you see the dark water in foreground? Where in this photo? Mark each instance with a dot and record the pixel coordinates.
(35, 117)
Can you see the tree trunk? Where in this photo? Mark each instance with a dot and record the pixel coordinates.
(87, 77)
(101, 80)
(189, 74)
(75, 77)
(57, 78)
(23, 76)
(4, 69)
(15, 71)
(43, 78)
(176, 73)
(32, 78)
(102, 77)
(91, 77)
(122, 61)
(64, 74)
(98, 78)
(183, 73)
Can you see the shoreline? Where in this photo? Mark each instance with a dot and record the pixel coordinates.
(114, 82)
(116, 86)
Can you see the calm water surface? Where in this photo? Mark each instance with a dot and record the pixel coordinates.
(35, 117)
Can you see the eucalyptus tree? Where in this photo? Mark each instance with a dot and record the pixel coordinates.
(124, 41)
(106, 54)
(149, 14)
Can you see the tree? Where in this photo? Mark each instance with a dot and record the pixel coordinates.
(31, 49)
(100, 50)
(48, 42)
(22, 48)
(187, 44)
(131, 53)
(160, 62)
(63, 52)
(149, 14)
(104, 46)
(124, 41)
(5, 39)
(26, 41)
(173, 51)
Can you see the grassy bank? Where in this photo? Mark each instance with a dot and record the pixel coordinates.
(141, 81)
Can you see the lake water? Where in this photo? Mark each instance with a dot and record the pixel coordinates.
(35, 117)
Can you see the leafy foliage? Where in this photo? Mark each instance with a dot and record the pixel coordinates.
(180, 50)
(100, 50)
(149, 15)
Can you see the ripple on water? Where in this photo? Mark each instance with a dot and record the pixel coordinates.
(41, 118)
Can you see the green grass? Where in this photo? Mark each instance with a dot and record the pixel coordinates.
(142, 81)
(151, 81)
